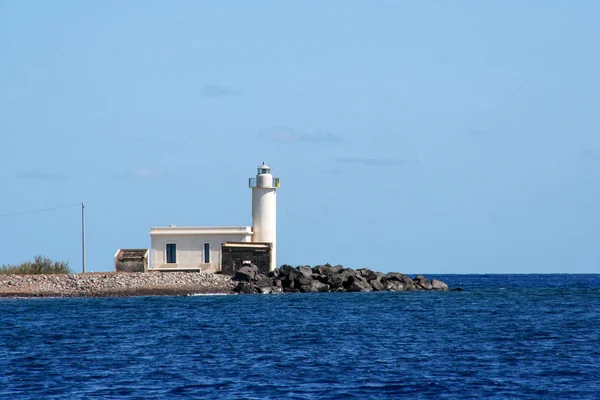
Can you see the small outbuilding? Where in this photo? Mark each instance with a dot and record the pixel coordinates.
(131, 260)
(235, 255)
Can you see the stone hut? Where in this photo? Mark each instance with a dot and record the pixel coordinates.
(131, 260)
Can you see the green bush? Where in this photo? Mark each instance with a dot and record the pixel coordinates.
(40, 265)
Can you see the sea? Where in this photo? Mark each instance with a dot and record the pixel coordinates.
(500, 337)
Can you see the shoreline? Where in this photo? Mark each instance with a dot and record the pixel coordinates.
(114, 284)
(247, 280)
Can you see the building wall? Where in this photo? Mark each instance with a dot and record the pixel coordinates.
(234, 257)
(190, 248)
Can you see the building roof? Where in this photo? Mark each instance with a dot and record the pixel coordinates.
(131, 254)
(202, 230)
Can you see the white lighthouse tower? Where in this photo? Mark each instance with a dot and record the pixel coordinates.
(264, 209)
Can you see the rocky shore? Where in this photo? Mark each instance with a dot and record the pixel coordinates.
(322, 278)
(327, 278)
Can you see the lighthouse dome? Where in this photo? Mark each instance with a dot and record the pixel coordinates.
(264, 169)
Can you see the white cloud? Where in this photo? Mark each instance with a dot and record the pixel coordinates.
(219, 91)
(283, 134)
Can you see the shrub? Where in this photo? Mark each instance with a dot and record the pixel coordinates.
(40, 265)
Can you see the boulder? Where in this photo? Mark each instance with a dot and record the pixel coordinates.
(287, 275)
(359, 284)
(367, 274)
(377, 285)
(337, 269)
(317, 286)
(303, 280)
(321, 278)
(305, 270)
(393, 286)
(264, 289)
(274, 273)
(285, 271)
(423, 282)
(438, 285)
(404, 280)
(245, 274)
(245, 288)
(263, 284)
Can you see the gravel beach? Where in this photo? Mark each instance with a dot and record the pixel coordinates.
(115, 284)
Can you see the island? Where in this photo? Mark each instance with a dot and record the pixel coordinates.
(246, 280)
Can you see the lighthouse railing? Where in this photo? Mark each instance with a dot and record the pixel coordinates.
(252, 183)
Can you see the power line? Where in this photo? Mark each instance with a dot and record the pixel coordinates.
(40, 211)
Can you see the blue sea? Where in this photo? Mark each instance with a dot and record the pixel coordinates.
(502, 337)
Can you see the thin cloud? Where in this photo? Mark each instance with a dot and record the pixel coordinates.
(476, 133)
(284, 134)
(219, 91)
(142, 174)
(591, 154)
(35, 174)
(376, 161)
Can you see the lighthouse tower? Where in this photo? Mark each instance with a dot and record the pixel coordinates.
(264, 209)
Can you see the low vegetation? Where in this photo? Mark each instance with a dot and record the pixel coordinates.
(40, 265)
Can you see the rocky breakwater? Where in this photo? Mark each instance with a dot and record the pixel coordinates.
(114, 284)
(327, 278)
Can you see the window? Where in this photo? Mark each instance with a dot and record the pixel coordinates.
(171, 253)
(206, 253)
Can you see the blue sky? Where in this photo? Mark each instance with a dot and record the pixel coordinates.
(420, 137)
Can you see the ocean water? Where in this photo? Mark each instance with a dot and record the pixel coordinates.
(502, 337)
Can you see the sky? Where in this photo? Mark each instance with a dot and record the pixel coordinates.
(410, 136)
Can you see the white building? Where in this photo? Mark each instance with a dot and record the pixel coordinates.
(208, 248)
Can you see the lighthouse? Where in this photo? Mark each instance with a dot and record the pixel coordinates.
(264, 209)
(222, 249)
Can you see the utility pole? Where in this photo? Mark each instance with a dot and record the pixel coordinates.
(83, 237)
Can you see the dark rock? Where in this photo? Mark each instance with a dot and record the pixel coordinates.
(264, 289)
(359, 284)
(393, 286)
(321, 278)
(337, 269)
(285, 271)
(290, 290)
(245, 274)
(245, 288)
(303, 280)
(457, 289)
(263, 284)
(317, 286)
(404, 280)
(305, 270)
(274, 273)
(367, 274)
(377, 285)
(438, 285)
(422, 282)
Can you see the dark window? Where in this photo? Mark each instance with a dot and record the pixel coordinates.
(206, 253)
(171, 253)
